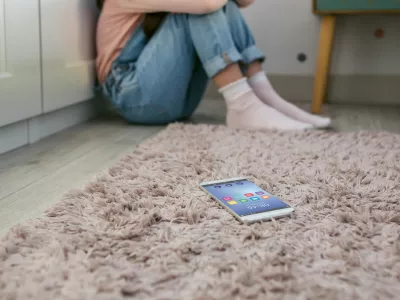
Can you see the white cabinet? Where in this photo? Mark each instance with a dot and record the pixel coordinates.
(68, 51)
(47, 69)
(20, 81)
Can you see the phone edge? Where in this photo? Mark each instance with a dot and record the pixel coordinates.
(284, 212)
(222, 181)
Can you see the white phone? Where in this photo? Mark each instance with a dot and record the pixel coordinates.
(245, 200)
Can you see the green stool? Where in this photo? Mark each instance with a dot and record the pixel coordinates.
(329, 9)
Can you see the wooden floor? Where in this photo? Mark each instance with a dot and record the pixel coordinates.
(35, 177)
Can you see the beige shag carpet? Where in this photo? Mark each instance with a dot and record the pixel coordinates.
(144, 230)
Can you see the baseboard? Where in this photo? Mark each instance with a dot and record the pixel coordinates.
(32, 130)
(349, 89)
(55, 121)
(13, 136)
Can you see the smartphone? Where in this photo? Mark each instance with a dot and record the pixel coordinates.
(245, 200)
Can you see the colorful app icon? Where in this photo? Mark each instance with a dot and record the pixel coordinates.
(265, 197)
(249, 195)
(227, 198)
(243, 200)
(232, 202)
(254, 198)
(260, 193)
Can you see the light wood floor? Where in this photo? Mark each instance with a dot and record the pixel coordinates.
(35, 177)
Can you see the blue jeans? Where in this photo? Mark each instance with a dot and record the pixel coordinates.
(163, 79)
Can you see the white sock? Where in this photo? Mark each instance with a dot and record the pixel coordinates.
(264, 90)
(247, 111)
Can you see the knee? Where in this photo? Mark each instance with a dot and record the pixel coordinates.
(229, 10)
(214, 13)
(232, 9)
(211, 6)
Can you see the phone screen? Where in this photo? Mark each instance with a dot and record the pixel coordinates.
(244, 197)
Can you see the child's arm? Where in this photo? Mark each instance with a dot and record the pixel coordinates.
(175, 6)
(244, 3)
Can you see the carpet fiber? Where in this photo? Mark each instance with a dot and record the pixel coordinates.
(144, 230)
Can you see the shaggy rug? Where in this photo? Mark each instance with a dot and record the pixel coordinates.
(144, 229)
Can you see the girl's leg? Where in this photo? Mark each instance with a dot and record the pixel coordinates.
(163, 80)
(245, 43)
(264, 90)
(212, 38)
(151, 82)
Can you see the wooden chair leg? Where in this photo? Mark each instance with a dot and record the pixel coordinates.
(327, 36)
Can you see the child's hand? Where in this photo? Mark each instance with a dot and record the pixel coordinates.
(244, 3)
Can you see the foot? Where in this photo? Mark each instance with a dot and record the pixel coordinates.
(316, 121)
(296, 113)
(264, 90)
(248, 112)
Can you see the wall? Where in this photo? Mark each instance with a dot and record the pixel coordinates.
(365, 69)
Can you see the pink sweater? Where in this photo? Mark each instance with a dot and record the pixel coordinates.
(119, 18)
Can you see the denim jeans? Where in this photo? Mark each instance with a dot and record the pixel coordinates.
(163, 79)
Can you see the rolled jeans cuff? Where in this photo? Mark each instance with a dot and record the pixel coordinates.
(252, 54)
(215, 65)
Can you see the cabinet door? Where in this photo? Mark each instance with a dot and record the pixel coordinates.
(68, 51)
(20, 90)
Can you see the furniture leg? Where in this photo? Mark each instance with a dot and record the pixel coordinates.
(327, 36)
